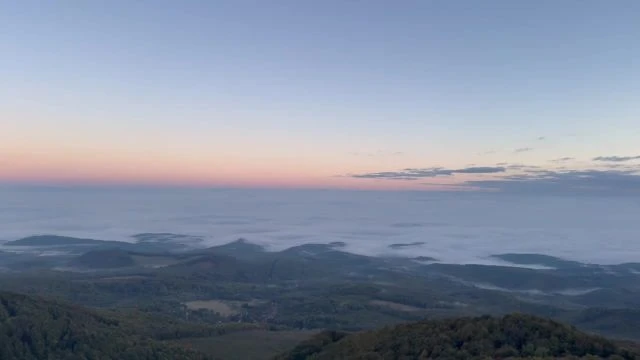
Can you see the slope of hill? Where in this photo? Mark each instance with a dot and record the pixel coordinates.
(104, 259)
(224, 267)
(241, 249)
(32, 328)
(152, 243)
(621, 323)
(510, 337)
(538, 259)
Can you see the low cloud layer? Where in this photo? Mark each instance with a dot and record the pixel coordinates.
(522, 178)
(522, 150)
(415, 174)
(616, 158)
(604, 182)
(455, 229)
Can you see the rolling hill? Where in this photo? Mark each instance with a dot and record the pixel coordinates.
(32, 329)
(104, 259)
(510, 337)
(56, 240)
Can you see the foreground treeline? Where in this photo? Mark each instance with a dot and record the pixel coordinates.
(509, 337)
(32, 328)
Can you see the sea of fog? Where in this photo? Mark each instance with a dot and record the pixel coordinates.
(455, 227)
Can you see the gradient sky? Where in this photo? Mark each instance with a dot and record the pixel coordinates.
(318, 93)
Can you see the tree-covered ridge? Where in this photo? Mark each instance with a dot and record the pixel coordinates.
(104, 259)
(56, 240)
(510, 337)
(32, 328)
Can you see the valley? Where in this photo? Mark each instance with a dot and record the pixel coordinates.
(312, 287)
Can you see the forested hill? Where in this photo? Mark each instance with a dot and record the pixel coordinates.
(510, 337)
(32, 328)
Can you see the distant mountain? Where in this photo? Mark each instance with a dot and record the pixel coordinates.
(32, 329)
(241, 249)
(509, 337)
(330, 254)
(55, 240)
(224, 267)
(150, 243)
(296, 262)
(167, 238)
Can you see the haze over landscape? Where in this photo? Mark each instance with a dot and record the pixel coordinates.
(457, 228)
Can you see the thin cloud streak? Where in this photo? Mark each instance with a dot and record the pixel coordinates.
(522, 150)
(561, 160)
(415, 174)
(520, 178)
(616, 158)
(597, 182)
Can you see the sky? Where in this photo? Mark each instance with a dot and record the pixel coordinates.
(499, 95)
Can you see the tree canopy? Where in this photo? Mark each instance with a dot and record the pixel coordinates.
(36, 329)
(510, 337)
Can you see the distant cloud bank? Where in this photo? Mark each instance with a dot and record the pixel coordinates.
(415, 174)
(522, 178)
(562, 159)
(616, 158)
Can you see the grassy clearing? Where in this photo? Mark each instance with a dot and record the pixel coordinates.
(218, 306)
(248, 345)
(224, 308)
(396, 306)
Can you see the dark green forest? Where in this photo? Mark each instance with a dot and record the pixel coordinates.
(36, 329)
(510, 337)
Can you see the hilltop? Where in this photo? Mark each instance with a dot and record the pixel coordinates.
(510, 337)
(56, 240)
(147, 242)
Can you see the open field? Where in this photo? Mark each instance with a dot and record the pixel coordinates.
(396, 306)
(248, 345)
(217, 306)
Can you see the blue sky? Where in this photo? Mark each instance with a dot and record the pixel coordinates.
(315, 93)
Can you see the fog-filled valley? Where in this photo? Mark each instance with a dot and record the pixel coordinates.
(453, 227)
(222, 269)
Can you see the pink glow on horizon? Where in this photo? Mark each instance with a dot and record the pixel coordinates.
(73, 164)
(101, 175)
